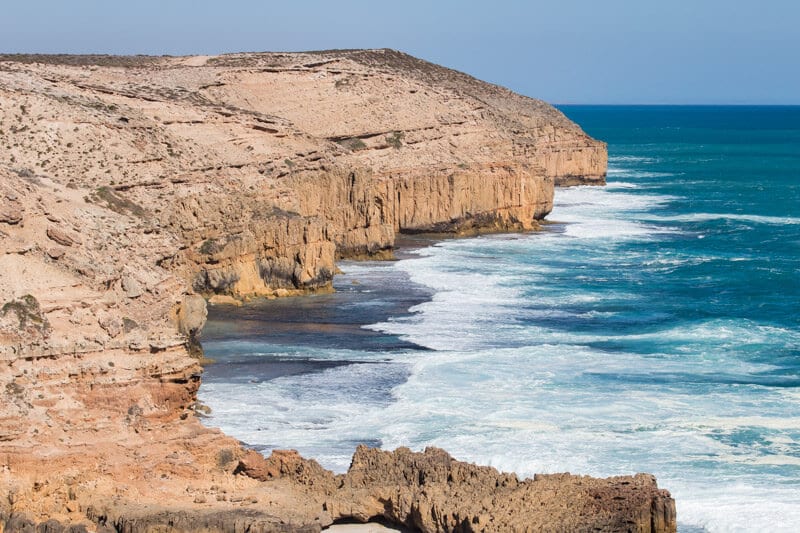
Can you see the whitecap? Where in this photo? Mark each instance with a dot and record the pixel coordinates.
(631, 159)
(730, 423)
(634, 173)
(734, 506)
(614, 229)
(582, 203)
(711, 217)
(737, 332)
(622, 185)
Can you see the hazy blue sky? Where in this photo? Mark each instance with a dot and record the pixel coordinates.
(564, 51)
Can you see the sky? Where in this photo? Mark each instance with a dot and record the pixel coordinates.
(563, 51)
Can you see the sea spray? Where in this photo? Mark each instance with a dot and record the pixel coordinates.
(651, 326)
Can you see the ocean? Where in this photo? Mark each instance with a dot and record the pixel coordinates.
(652, 326)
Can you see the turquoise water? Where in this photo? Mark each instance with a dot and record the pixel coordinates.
(651, 327)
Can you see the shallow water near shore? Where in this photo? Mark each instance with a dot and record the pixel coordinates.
(651, 327)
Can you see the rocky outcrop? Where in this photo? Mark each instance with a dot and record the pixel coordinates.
(427, 492)
(133, 187)
(431, 492)
(246, 246)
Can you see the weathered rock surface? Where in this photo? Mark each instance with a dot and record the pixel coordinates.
(431, 491)
(10, 213)
(267, 166)
(131, 187)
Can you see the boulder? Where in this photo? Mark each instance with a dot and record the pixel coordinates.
(10, 213)
(131, 286)
(62, 237)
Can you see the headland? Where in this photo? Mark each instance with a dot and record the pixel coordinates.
(135, 188)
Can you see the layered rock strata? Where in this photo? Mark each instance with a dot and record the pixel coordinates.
(249, 158)
(130, 188)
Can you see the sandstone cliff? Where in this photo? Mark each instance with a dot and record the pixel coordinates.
(132, 187)
(266, 166)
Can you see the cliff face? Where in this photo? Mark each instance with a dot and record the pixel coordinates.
(259, 156)
(130, 187)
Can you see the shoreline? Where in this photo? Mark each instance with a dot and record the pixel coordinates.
(168, 178)
(288, 320)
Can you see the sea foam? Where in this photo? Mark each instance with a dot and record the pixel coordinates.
(612, 342)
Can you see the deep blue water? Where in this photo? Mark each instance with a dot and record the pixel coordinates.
(652, 326)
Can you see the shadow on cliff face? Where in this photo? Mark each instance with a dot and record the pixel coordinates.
(264, 368)
(373, 526)
(330, 321)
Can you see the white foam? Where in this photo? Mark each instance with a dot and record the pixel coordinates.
(631, 159)
(622, 185)
(600, 213)
(674, 262)
(322, 414)
(633, 173)
(484, 293)
(735, 506)
(606, 229)
(711, 217)
(600, 199)
(730, 331)
(730, 423)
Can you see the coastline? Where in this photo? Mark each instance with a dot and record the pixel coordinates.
(264, 339)
(159, 192)
(324, 332)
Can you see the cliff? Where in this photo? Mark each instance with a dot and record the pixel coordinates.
(132, 187)
(265, 167)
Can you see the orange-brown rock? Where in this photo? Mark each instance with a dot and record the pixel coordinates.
(61, 236)
(132, 187)
(431, 492)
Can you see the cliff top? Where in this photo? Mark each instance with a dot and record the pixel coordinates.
(384, 60)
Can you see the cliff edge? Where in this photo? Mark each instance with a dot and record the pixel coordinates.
(266, 167)
(131, 188)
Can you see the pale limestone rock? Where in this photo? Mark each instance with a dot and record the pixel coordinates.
(10, 213)
(131, 286)
(215, 173)
(111, 323)
(55, 252)
(191, 315)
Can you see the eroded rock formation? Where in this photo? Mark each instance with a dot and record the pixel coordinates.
(130, 188)
(266, 166)
(431, 491)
